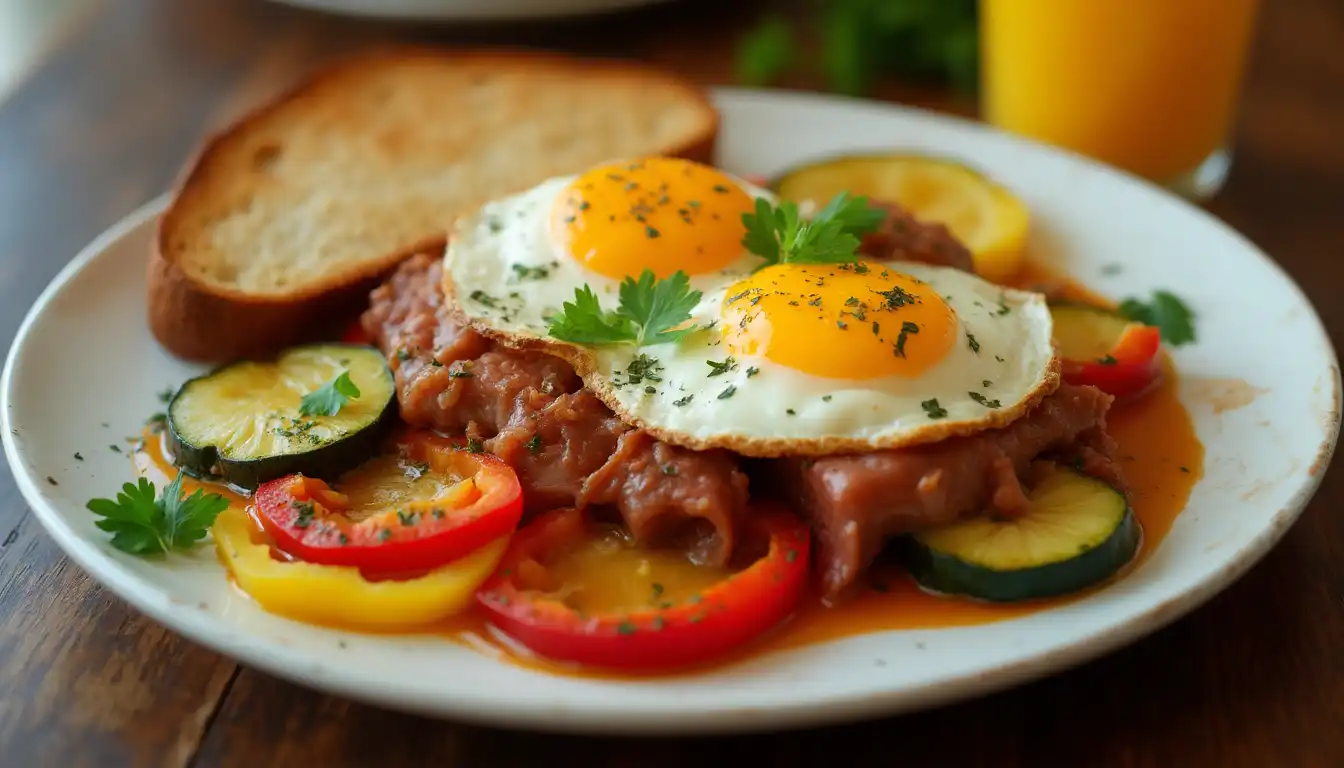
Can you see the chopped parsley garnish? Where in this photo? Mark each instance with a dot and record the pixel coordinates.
(1173, 318)
(752, 371)
(1107, 360)
(460, 373)
(669, 469)
(975, 345)
(728, 392)
(651, 311)
(986, 383)
(716, 369)
(78, 457)
(330, 398)
(534, 445)
(403, 354)
(826, 398)
(1003, 308)
(643, 367)
(790, 412)
(167, 394)
(524, 272)
(485, 299)
(933, 410)
(907, 328)
(981, 399)
(897, 297)
(408, 518)
(306, 512)
(143, 524)
(683, 401)
(781, 236)
(475, 446)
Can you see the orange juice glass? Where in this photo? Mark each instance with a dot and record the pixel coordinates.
(1149, 86)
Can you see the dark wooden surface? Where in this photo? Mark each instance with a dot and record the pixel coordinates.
(1254, 678)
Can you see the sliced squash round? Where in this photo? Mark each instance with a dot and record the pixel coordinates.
(986, 217)
(1084, 331)
(1076, 532)
(319, 409)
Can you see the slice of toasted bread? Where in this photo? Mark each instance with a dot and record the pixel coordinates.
(289, 216)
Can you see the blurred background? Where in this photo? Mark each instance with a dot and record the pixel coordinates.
(1150, 86)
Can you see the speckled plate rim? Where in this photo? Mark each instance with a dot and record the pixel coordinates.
(821, 684)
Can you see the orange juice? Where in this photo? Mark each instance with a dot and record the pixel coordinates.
(1146, 85)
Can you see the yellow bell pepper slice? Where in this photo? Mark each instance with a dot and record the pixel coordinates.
(991, 222)
(339, 595)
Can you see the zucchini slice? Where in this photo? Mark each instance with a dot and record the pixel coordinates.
(243, 423)
(991, 221)
(1086, 332)
(1076, 532)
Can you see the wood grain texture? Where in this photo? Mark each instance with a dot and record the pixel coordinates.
(1254, 678)
(87, 682)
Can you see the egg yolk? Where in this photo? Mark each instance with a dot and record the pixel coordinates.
(659, 213)
(840, 321)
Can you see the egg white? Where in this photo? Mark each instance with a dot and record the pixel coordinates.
(494, 271)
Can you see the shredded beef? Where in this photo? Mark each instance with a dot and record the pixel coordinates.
(569, 448)
(857, 502)
(530, 409)
(902, 237)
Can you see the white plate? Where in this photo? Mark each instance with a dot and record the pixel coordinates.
(84, 357)
(468, 10)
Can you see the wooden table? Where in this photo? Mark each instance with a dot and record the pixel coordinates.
(1254, 678)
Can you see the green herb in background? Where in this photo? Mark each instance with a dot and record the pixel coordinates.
(860, 41)
(766, 52)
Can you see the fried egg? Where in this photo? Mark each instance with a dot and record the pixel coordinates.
(787, 359)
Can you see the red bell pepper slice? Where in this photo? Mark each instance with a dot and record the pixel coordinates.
(724, 616)
(1131, 369)
(307, 518)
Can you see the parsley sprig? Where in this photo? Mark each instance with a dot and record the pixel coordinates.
(1173, 318)
(330, 398)
(143, 524)
(651, 311)
(781, 236)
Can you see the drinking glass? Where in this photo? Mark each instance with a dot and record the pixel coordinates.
(1149, 86)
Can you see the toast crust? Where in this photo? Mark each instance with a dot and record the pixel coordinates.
(198, 320)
